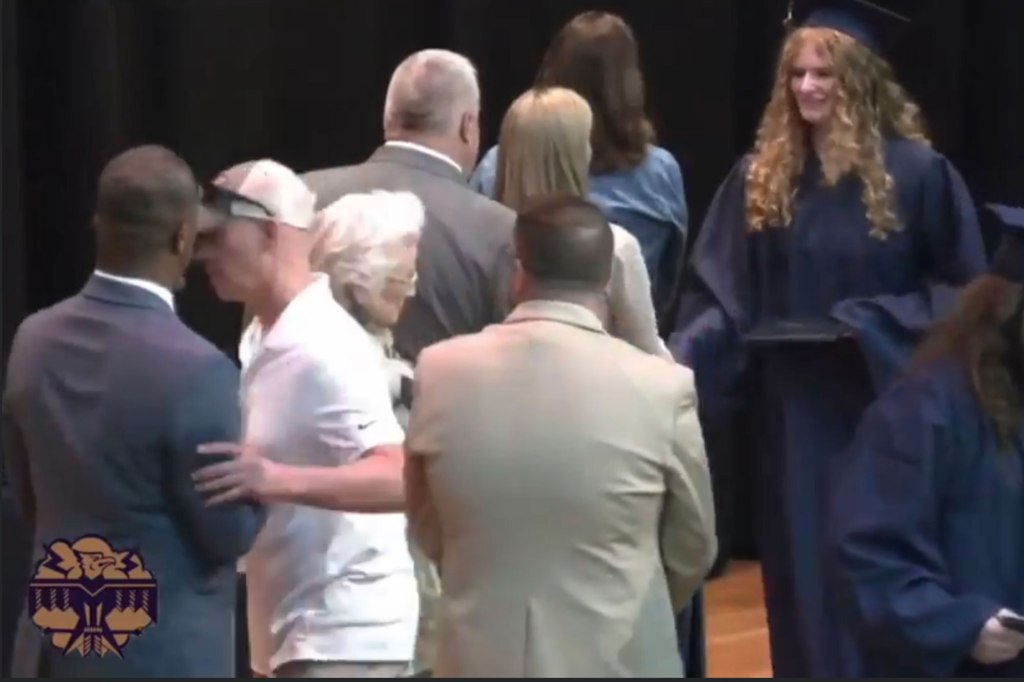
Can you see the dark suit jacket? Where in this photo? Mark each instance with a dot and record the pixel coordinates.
(108, 396)
(465, 261)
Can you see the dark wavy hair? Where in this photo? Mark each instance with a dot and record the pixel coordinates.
(985, 333)
(596, 55)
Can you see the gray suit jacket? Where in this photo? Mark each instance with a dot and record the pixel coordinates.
(465, 257)
(558, 477)
(108, 396)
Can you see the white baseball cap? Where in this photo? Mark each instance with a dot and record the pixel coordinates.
(258, 190)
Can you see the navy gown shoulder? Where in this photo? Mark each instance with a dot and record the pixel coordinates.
(936, 210)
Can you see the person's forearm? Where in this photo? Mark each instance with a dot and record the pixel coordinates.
(372, 484)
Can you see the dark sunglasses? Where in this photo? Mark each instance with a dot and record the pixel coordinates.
(232, 203)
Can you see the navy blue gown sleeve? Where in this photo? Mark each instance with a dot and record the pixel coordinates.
(885, 537)
(889, 327)
(714, 311)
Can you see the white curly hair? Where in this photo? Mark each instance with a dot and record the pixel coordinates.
(362, 237)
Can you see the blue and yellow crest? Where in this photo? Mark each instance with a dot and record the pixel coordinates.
(91, 598)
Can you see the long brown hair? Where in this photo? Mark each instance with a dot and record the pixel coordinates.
(871, 105)
(985, 334)
(596, 55)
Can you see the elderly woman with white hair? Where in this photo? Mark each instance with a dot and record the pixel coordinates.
(367, 245)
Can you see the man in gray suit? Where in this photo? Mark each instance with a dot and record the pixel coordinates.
(108, 397)
(432, 133)
(557, 476)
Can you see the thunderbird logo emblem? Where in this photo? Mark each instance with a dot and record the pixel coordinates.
(90, 598)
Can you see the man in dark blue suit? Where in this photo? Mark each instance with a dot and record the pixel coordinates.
(108, 396)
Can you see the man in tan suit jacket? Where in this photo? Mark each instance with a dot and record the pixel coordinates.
(557, 476)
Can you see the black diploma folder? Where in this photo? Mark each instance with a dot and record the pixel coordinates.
(797, 332)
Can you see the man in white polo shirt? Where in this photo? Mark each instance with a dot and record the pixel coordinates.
(331, 593)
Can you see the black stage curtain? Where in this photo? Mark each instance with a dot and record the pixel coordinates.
(303, 81)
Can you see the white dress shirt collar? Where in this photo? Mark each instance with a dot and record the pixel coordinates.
(424, 150)
(163, 292)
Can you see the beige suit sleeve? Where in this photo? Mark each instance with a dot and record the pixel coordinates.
(629, 300)
(422, 443)
(688, 540)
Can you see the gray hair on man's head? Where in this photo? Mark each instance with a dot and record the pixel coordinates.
(429, 91)
(362, 237)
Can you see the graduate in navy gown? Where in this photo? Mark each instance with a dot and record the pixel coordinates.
(928, 513)
(826, 254)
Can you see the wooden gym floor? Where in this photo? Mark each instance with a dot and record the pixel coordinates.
(737, 626)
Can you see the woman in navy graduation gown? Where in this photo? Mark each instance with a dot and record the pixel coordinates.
(825, 255)
(928, 513)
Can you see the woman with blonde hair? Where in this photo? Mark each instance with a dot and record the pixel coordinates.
(825, 255)
(544, 147)
(367, 245)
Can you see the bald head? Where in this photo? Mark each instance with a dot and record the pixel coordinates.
(434, 99)
(147, 201)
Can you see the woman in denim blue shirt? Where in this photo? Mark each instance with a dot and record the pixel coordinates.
(636, 183)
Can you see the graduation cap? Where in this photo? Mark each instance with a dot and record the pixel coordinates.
(1008, 260)
(875, 24)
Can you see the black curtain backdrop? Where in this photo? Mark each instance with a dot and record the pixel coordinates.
(303, 81)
